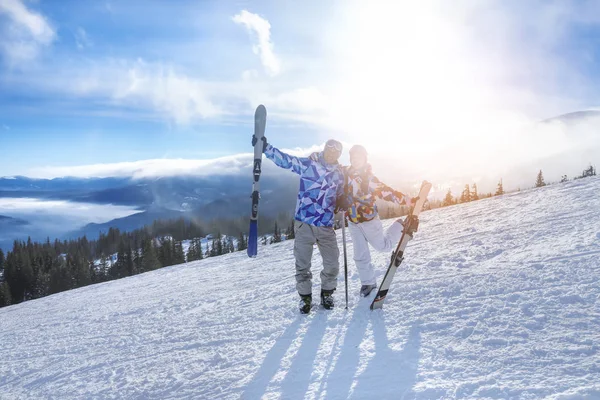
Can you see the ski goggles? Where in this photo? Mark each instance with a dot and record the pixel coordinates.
(334, 144)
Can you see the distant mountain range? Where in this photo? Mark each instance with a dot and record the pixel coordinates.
(574, 117)
(5, 221)
(188, 197)
(11, 228)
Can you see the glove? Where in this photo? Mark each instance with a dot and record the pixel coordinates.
(341, 204)
(411, 201)
(264, 140)
(314, 156)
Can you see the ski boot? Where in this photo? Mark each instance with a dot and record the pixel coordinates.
(305, 303)
(365, 290)
(327, 299)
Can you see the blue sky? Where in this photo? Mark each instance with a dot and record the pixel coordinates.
(110, 82)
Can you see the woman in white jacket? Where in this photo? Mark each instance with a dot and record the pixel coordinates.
(361, 190)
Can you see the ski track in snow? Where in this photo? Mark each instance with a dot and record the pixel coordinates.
(496, 299)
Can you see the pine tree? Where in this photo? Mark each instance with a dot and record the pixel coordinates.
(276, 234)
(219, 243)
(150, 260)
(1, 261)
(198, 244)
(213, 247)
(224, 246)
(563, 179)
(196, 250)
(465, 196)
(93, 272)
(448, 200)
(230, 246)
(192, 253)
(165, 253)
(242, 242)
(539, 182)
(500, 190)
(178, 255)
(103, 269)
(264, 240)
(137, 259)
(129, 264)
(591, 171)
(82, 271)
(119, 269)
(474, 194)
(59, 278)
(19, 274)
(291, 234)
(5, 297)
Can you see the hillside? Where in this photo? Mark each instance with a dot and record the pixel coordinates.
(496, 299)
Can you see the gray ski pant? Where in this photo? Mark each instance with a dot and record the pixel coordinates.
(325, 238)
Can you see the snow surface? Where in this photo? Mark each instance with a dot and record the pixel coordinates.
(497, 299)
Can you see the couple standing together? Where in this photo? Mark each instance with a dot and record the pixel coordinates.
(326, 187)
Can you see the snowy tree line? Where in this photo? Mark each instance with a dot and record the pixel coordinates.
(32, 270)
(470, 193)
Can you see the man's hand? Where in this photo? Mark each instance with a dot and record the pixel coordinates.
(264, 140)
(341, 203)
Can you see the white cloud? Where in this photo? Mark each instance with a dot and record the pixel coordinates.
(82, 39)
(25, 34)
(249, 75)
(177, 95)
(260, 28)
(231, 165)
(151, 168)
(136, 85)
(51, 215)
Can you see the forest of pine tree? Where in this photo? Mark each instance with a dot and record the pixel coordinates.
(32, 270)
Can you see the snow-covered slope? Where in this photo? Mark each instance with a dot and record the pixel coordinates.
(497, 299)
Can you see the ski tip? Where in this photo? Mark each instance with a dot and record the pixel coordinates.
(261, 109)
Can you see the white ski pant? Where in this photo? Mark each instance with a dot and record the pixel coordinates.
(306, 236)
(371, 232)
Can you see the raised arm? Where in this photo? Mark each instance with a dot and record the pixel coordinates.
(384, 192)
(286, 161)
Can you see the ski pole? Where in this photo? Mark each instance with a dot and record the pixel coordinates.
(345, 257)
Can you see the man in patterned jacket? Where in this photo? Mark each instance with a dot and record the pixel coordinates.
(362, 189)
(321, 182)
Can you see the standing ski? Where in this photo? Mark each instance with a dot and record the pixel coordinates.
(411, 223)
(260, 120)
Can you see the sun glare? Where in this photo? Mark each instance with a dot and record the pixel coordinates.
(411, 76)
(406, 78)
